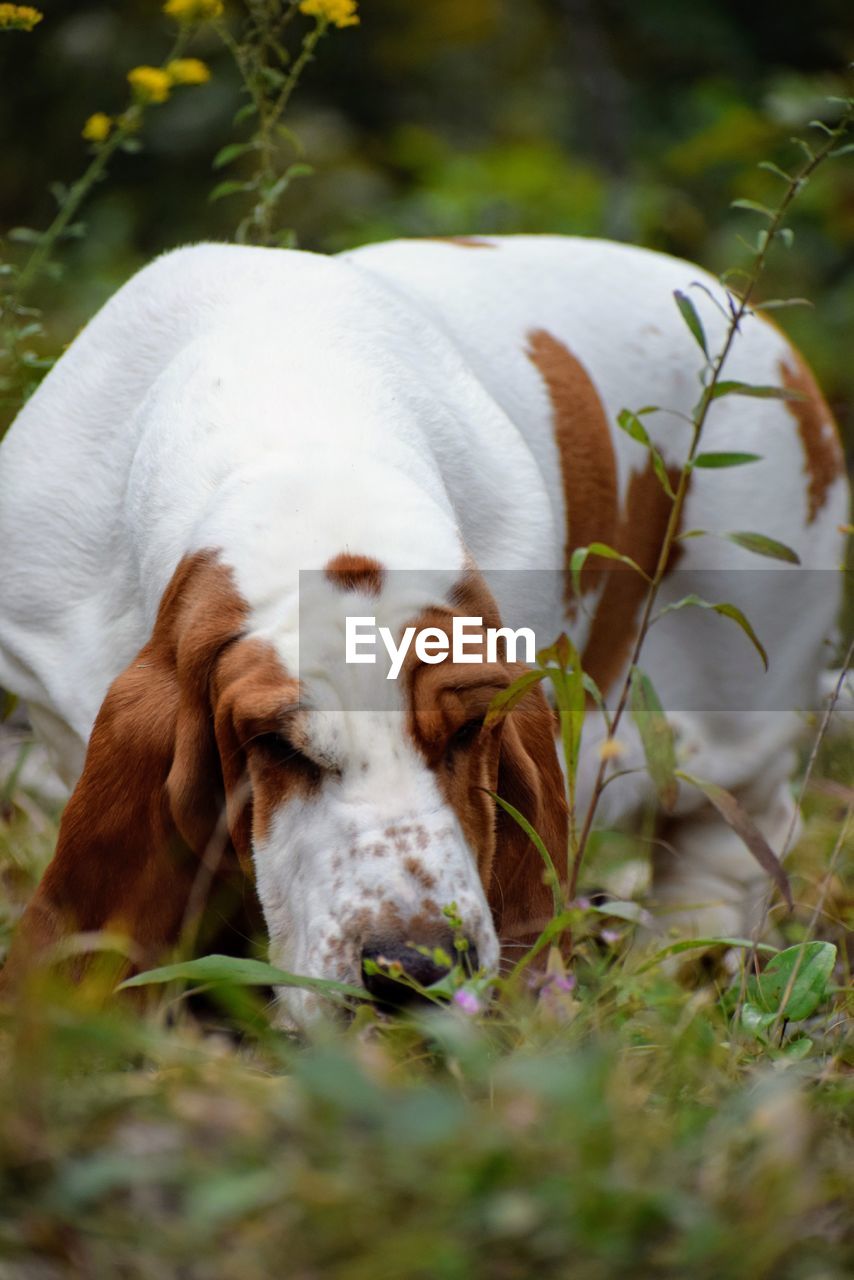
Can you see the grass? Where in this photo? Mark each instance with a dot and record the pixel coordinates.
(631, 1127)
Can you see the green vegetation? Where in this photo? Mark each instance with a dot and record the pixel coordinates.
(623, 1127)
(632, 1114)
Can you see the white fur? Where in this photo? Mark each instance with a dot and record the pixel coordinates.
(284, 407)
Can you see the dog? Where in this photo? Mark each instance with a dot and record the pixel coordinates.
(246, 447)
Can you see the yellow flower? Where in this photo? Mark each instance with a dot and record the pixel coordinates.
(341, 13)
(19, 17)
(611, 749)
(149, 84)
(187, 71)
(193, 10)
(97, 127)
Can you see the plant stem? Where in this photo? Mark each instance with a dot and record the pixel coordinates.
(738, 309)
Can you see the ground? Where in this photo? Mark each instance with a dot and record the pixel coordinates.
(630, 1127)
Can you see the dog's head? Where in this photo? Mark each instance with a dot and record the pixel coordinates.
(362, 822)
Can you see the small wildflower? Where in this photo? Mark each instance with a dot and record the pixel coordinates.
(149, 84)
(19, 17)
(97, 127)
(612, 749)
(467, 1001)
(193, 10)
(610, 936)
(563, 981)
(341, 13)
(187, 71)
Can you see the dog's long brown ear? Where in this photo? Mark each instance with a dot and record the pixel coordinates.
(530, 778)
(147, 802)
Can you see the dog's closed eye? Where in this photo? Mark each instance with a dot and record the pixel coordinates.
(465, 735)
(279, 749)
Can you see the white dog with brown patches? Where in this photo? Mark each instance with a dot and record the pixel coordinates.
(427, 428)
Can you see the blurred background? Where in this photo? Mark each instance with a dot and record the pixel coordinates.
(633, 121)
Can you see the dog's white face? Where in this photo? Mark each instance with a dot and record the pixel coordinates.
(361, 861)
(365, 802)
(370, 813)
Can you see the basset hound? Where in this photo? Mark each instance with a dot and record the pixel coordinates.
(246, 447)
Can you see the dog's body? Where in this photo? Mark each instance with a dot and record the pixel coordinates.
(415, 406)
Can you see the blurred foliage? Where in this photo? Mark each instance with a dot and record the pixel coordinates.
(630, 1130)
(639, 122)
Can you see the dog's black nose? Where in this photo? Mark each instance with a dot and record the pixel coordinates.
(414, 965)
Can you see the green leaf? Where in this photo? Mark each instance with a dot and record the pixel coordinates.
(760, 545)
(842, 151)
(754, 206)
(726, 610)
(777, 304)
(730, 387)
(228, 188)
(716, 461)
(661, 472)
(299, 170)
(656, 737)
(567, 680)
(580, 555)
(210, 970)
(787, 235)
(560, 653)
(506, 699)
(689, 314)
(742, 824)
(592, 688)
(695, 944)
(624, 910)
(770, 167)
(630, 423)
(803, 971)
(537, 842)
(231, 151)
(25, 235)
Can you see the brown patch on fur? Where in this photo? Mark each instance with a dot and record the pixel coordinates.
(587, 463)
(144, 826)
(516, 758)
(823, 457)
(640, 535)
(356, 573)
(147, 805)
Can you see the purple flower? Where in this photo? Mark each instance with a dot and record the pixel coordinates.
(467, 1001)
(564, 982)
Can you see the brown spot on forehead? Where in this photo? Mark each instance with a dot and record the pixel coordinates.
(823, 457)
(640, 534)
(587, 464)
(356, 573)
